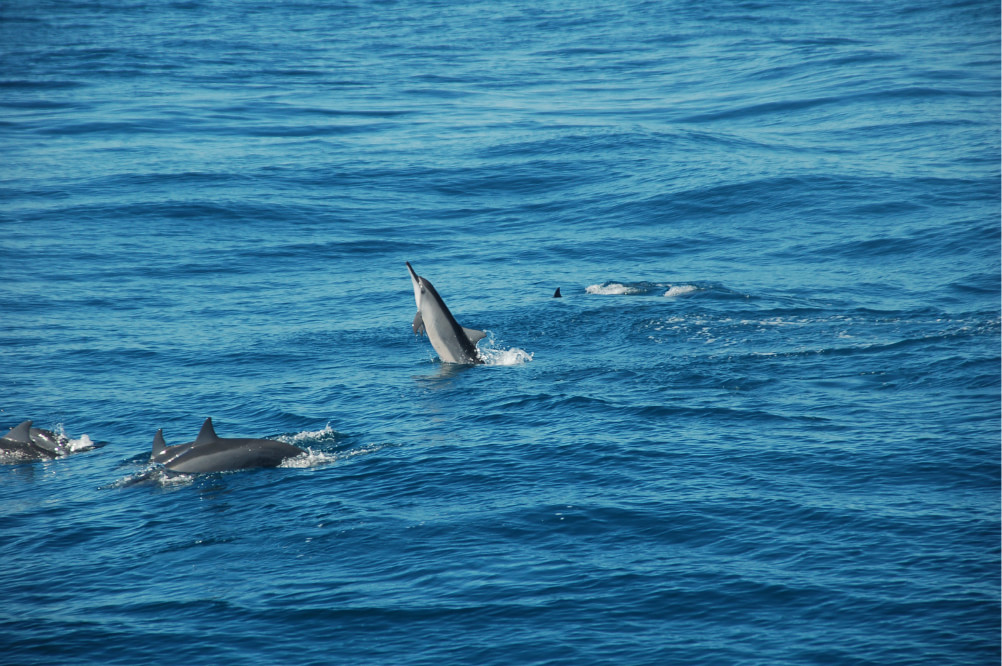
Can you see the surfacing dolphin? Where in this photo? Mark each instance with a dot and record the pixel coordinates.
(453, 343)
(29, 443)
(211, 453)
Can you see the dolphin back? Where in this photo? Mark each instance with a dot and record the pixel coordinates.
(226, 455)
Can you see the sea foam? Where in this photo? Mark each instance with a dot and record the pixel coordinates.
(492, 354)
(611, 289)
(679, 290)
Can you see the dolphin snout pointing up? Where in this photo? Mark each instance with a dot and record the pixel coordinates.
(453, 343)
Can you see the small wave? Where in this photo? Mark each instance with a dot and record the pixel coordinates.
(612, 289)
(680, 290)
(619, 289)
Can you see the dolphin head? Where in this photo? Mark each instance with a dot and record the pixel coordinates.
(418, 282)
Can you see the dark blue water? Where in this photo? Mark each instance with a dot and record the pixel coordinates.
(762, 426)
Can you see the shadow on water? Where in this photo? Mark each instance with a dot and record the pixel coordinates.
(443, 376)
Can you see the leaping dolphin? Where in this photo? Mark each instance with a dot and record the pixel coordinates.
(453, 343)
(211, 453)
(33, 443)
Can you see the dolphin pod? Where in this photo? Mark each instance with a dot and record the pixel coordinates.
(211, 453)
(208, 453)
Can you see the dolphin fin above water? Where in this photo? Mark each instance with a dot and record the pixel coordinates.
(207, 433)
(454, 343)
(474, 335)
(33, 443)
(211, 453)
(20, 433)
(159, 445)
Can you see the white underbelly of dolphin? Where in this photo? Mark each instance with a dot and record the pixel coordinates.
(452, 342)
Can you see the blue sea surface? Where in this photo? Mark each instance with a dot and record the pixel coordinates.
(761, 426)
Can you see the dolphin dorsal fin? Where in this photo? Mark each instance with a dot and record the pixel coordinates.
(474, 335)
(207, 433)
(158, 442)
(20, 433)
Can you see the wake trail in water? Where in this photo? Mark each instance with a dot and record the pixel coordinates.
(667, 290)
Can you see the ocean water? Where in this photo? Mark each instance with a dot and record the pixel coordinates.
(761, 426)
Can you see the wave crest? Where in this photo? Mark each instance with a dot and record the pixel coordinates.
(640, 288)
(612, 289)
(680, 290)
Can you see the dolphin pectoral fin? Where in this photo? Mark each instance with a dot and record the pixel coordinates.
(474, 335)
(158, 442)
(207, 433)
(418, 324)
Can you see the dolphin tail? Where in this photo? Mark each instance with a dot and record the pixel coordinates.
(474, 335)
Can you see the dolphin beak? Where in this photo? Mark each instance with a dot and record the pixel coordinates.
(416, 282)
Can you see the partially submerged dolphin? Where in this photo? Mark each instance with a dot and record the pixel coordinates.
(453, 343)
(211, 453)
(33, 443)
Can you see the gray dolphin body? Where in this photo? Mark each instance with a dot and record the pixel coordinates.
(453, 343)
(33, 443)
(211, 453)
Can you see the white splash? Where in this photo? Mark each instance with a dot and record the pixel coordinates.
(156, 475)
(310, 459)
(679, 290)
(611, 289)
(71, 444)
(81, 443)
(511, 356)
(309, 435)
(165, 480)
(317, 458)
(492, 354)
